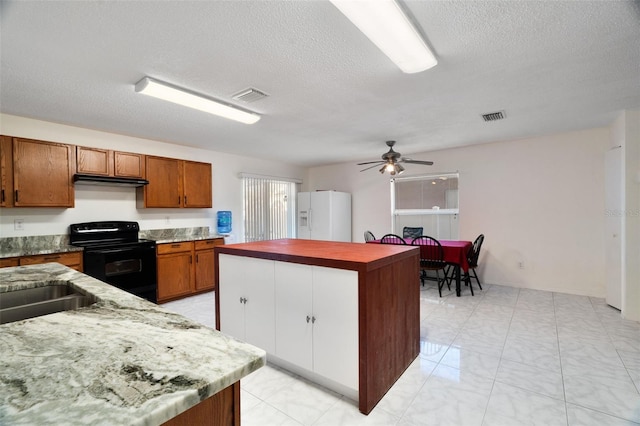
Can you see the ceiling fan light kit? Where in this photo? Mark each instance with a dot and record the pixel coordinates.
(168, 92)
(391, 161)
(386, 25)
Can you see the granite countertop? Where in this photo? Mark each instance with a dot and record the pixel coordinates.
(47, 244)
(177, 235)
(36, 245)
(122, 360)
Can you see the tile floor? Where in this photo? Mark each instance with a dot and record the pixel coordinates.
(507, 356)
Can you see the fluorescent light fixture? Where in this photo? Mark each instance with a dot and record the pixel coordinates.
(168, 92)
(388, 28)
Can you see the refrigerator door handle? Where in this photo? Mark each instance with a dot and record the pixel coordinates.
(310, 219)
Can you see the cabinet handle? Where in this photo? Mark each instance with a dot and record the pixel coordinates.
(190, 259)
(185, 200)
(197, 258)
(52, 257)
(178, 200)
(313, 320)
(3, 195)
(175, 245)
(308, 319)
(16, 197)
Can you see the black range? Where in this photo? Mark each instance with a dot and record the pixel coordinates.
(113, 253)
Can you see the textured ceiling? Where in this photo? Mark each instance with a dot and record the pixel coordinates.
(553, 66)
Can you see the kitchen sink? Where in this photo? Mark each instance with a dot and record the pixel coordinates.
(34, 302)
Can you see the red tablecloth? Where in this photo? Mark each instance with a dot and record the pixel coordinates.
(455, 252)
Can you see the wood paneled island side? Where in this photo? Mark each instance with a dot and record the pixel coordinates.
(362, 317)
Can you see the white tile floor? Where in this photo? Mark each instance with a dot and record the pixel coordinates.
(507, 356)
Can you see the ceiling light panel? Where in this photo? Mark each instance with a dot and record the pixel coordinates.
(170, 93)
(386, 25)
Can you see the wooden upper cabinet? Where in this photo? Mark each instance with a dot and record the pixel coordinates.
(6, 172)
(165, 182)
(197, 184)
(104, 162)
(127, 164)
(177, 183)
(42, 173)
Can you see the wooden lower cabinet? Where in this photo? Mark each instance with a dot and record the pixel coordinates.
(221, 409)
(73, 260)
(185, 268)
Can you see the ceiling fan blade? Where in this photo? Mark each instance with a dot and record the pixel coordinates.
(426, 163)
(370, 162)
(371, 167)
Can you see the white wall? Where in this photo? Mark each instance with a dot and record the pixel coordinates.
(539, 201)
(115, 203)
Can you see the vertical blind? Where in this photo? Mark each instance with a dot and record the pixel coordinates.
(269, 208)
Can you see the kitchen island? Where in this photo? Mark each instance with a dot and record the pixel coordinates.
(345, 315)
(121, 360)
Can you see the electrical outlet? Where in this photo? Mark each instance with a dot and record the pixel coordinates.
(167, 220)
(18, 224)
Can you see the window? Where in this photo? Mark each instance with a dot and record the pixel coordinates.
(428, 201)
(269, 210)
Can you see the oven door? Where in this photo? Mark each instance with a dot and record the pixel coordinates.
(130, 268)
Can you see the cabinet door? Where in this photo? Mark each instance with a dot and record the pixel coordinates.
(335, 331)
(165, 182)
(94, 161)
(294, 314)
(205, 265)
(175, 275)
(231, 295)
(42, 174)
(260, 304)
(197, 184)
(128, 164)
(6, 172)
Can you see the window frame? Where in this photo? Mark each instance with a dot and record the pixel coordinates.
(419, 212)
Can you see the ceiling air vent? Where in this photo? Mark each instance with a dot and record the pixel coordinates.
(249, 95)
(493, 116)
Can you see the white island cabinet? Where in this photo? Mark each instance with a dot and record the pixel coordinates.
(344, 315)
(247, 301)
(317, 321)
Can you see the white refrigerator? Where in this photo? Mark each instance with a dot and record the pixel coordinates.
(324, 215)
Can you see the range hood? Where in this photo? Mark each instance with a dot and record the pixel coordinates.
(108, 180)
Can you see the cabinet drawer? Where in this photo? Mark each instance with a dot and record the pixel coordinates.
(208, 244)
(68, 259)
(9, 261)
(174, 247)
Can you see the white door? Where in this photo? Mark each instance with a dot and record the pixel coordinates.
(294, 326)
(304, 206)
(231, 294)
(614, 205)
(335, 331)
(259, 305)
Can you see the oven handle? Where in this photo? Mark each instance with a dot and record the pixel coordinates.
(107, 251)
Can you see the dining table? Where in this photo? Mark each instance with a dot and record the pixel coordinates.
(455, 254)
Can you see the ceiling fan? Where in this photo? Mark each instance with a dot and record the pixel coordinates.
(391, 161)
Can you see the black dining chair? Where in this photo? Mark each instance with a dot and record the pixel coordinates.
(411, 232)
(368, 236)
(431, 259)
(392, 239)
(472, 259)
